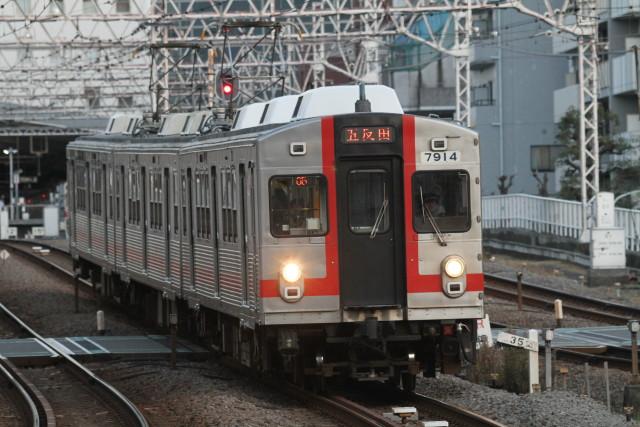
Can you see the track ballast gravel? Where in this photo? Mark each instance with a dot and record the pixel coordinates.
(548, 409)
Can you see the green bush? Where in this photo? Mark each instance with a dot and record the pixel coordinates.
(516, 370)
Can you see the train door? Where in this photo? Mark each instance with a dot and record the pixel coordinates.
(370, 232)
(243, 233)
(143, 219)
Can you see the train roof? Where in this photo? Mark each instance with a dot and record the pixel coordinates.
(252, 122)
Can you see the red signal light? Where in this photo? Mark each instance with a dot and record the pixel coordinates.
(227, 88)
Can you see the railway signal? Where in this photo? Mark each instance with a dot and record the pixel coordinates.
(227, 85)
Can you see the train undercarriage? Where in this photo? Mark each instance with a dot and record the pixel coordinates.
(394, 352)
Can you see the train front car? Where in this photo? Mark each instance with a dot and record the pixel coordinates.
(371, 260)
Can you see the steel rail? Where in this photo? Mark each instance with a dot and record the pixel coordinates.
(36, 409)
(130, 413)
(453, 413)
(345, 410)
(126, 409)
(580, 306)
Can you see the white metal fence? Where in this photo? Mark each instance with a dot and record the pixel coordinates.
(551, 216)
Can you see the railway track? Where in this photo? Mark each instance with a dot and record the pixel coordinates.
(576, 305)
(65, 390)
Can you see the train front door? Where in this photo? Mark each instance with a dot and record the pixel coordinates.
(370, 232)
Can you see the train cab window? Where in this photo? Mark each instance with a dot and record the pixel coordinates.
(368, 210)
(441, 202)
(298, 205)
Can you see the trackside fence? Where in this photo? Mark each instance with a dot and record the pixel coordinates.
(551, 216)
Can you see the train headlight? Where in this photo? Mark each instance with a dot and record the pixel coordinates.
(454, 267)
(291, 272)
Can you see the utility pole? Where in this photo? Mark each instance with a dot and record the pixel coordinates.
(13, 188)
(587, 21)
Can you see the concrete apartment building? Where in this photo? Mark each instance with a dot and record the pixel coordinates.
(619, 34)
(524, 79)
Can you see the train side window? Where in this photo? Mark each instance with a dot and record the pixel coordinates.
(81, 187)
(176, 203)
(96, 194)
(441, 201)
(118, 196)
(229, 207)
(184, 202)
(110, 191)
(155, 200)
(203, 212)
(134, 197)
(298, 205)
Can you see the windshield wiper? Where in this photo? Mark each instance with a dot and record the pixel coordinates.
(426, 214)
(376, 224)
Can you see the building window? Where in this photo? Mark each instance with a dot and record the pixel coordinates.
(482, 95)
(482, 24)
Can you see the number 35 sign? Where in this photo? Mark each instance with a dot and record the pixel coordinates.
(517, 341)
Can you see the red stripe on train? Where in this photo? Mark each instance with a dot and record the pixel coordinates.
(415, 281)
(328, 285)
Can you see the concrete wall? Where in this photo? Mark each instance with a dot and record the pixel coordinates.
(530, 74)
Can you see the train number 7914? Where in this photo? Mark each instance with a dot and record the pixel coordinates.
(440, 156)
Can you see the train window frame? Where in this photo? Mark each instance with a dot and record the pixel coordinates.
(324, 206)
(96, 191)
(156, 200)
(385, 224)
(133, 196)
(202, 189)
(81, 184)
(416, 214)
(229, 207)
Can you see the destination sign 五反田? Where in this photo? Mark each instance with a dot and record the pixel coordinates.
(368, 135)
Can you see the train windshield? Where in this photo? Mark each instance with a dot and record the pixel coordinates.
(298, 205)
(441, 202)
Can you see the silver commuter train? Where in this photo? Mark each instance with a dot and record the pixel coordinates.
(324, 234)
